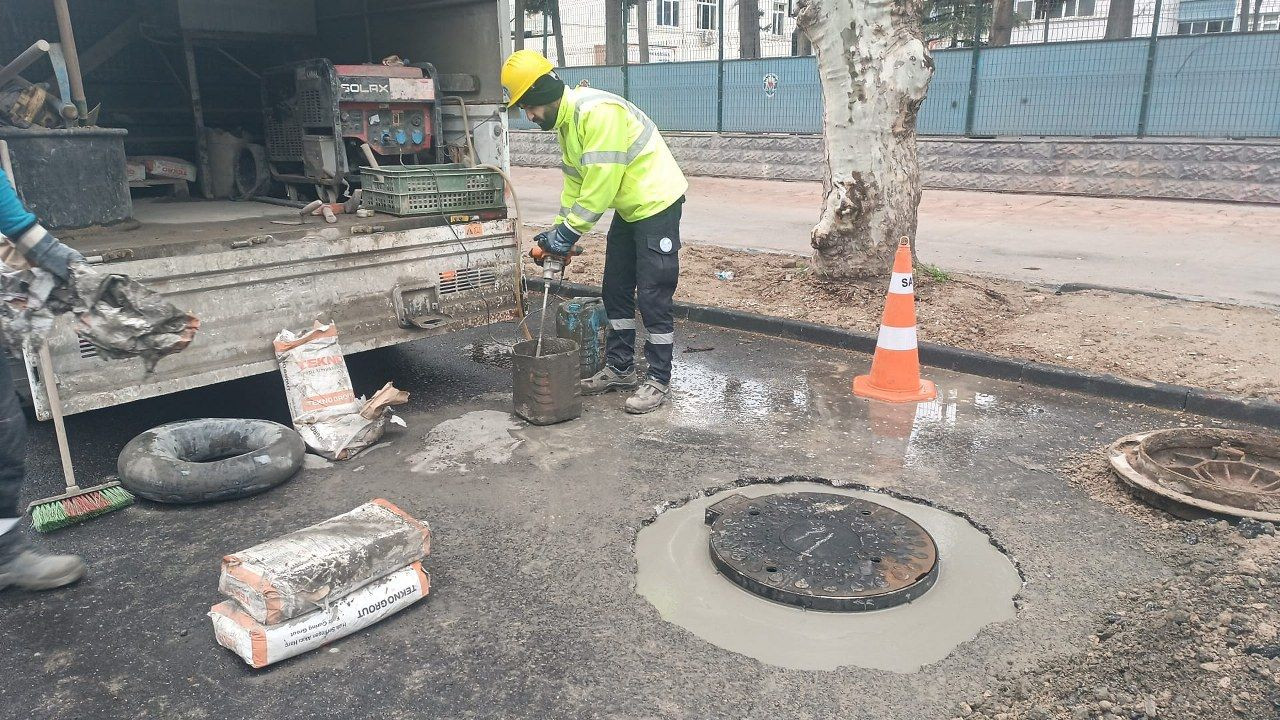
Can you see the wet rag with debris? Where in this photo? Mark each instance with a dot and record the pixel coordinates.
(1201, 644)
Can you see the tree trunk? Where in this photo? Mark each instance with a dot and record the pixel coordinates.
(1119, 20)
(642, 29)
(1001, 23)
(517, 26)
(804, 48)
(558, 31)
(874, 69)
(615, 39)
(748, 29)
(1257, 10)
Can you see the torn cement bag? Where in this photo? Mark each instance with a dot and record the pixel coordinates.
(296, 573)
(260, 645)
(118, 316)
(325, 411)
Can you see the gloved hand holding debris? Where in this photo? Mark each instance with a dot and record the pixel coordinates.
(116, 314)
(41, 277)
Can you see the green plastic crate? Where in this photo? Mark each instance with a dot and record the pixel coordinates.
(430, 189)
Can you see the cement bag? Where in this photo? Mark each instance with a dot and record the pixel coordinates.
(325, 410)
(260, 645)
(296, 573)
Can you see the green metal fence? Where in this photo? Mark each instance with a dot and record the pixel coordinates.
(1179, 73)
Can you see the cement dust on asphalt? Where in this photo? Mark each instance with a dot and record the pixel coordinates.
(1221, 347)
(975, 587)
(480, 436)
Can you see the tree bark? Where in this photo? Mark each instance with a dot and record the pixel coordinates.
(1119, 20)
(804, 48)
(1001, 23)
(1257, 10)
(517, 26)
(748, 29)
(874, 69)
(642, 29)
(558, 31)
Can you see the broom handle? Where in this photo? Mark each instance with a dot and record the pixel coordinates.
(46, 367)
(55, 408)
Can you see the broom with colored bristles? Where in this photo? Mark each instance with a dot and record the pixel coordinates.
(76, 504)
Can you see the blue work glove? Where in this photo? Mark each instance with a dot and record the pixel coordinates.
(558, 241)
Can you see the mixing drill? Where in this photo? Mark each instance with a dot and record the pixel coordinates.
(552, 265)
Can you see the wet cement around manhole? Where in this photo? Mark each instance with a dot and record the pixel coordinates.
(975, 587)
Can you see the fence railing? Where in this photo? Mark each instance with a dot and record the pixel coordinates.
(1224, 85)
(1197, 68)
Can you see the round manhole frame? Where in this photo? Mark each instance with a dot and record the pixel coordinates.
(768, 580)
(1127, 457)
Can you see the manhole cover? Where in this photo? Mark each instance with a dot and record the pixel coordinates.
(1204, 470)
(821, 551)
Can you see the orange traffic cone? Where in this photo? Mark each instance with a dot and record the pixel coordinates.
(895, 369)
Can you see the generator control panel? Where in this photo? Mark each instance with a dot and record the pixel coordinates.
(387, 107)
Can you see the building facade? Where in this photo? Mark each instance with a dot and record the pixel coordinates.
(679, 31)
(1087, 19)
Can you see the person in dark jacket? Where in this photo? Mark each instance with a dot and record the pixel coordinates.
(20, 564)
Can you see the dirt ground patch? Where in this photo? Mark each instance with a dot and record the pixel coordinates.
(1227, 348)
(1202, 644)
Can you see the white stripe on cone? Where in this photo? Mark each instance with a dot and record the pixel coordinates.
(896, 338)
(902, 284)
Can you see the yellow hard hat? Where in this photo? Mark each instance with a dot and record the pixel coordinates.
(521, 69)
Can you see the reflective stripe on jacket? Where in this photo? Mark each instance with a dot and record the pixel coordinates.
(612, 157)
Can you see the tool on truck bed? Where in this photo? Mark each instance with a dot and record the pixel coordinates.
(552, 265)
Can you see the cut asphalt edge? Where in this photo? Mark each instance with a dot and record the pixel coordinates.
(1155, 394)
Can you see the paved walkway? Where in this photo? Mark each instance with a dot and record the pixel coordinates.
(1221, 251)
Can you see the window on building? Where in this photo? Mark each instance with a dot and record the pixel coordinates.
(707, 14)
(779, 17)
(1269, 21)
(669, 13)
(1054, 9)
(1201, 27)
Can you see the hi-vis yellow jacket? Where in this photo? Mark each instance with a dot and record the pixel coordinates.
(612, 157)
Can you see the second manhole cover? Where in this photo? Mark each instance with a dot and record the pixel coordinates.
(821, 550)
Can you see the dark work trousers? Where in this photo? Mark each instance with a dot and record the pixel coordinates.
(13, 441)
(641, 266)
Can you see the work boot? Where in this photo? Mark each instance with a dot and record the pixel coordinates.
(648, 398)
(609, 379)
(32, 571)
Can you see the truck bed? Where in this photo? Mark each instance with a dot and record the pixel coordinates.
(162, 227)
(247, 279)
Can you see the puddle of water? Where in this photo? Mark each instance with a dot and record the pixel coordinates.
(804, 411)
(975, 587)
(478, 436)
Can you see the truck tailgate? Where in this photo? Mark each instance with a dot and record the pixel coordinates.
(381, 289)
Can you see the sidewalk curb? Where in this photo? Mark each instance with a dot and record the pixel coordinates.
(1155, 394)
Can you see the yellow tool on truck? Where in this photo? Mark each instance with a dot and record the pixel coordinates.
(613, 157)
